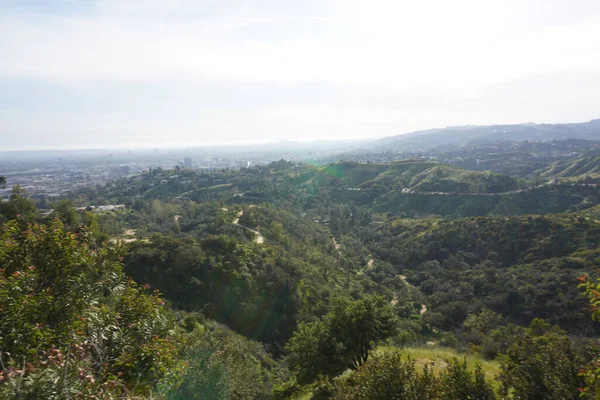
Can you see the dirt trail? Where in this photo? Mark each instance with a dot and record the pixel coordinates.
(259, 238)
(129, 236)
(236, 221)
(423, 309)
(336, 245)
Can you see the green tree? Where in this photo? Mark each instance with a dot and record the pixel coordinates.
(65, 210)
(2, 182)
(591, 372)
(313, 351)
(541, 363)
(457, 382)
(391, 376)
(388, 377)
(223, 365)
(342, 339)
(483, 322)
(18, 206)
(68, 308)
(358, 325)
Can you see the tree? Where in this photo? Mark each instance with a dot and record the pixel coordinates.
(483, 322)
(18, 206)
(358, 325)
(2, 182)
(342, 339)
(313, 351)
(457, 382)
(223, 365)
(388, 376)
(591, 372)
(65, 210)
(541, 363)
(391, 376)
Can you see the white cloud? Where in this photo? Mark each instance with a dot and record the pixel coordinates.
(421, 56)
(399, 43)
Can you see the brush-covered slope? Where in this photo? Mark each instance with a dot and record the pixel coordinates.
(413, 175)
(522, 267)
(578, 169)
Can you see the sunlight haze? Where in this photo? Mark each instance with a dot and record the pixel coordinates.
(84, 73)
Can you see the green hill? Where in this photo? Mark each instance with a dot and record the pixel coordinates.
(578, 169)
(542, 200)
(522, 267)
(413, 175)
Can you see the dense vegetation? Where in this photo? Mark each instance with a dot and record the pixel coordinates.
(521, 267)
(416, 175)
(586, 169)
(305, 281)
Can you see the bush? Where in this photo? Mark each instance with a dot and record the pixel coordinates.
(541, 363)
(389, 376)
(71, 324)
(224, 365)
(385, 377)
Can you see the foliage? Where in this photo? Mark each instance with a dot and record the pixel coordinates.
(417, 175)
(591, 372)
(483, 322)
(65, 211)
(18, 206)
(56, 291)
(541, 363)
(223, 365)
(389, 376)
(332, 240)
(259, 290)
(518, 267)
(586, 169)
(342, 339)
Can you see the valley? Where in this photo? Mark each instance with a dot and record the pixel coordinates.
(285, 266)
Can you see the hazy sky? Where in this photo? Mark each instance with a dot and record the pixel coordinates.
(113, 73)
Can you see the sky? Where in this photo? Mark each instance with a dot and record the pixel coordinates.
(146, 73)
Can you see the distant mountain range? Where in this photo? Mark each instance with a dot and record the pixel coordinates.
(456, 136)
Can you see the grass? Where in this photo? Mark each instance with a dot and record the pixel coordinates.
(437, 357)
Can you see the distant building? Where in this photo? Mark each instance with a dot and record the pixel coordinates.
(187, 162)
(124, 170)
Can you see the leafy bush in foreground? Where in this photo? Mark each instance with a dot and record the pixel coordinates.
(72, 325)
(389, 376)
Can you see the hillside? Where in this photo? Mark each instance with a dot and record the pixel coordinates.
(288, 276)
(463, 135)
(414, 176)
(521, 267)
(261, 289)
(580, 169)
(539, 200)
